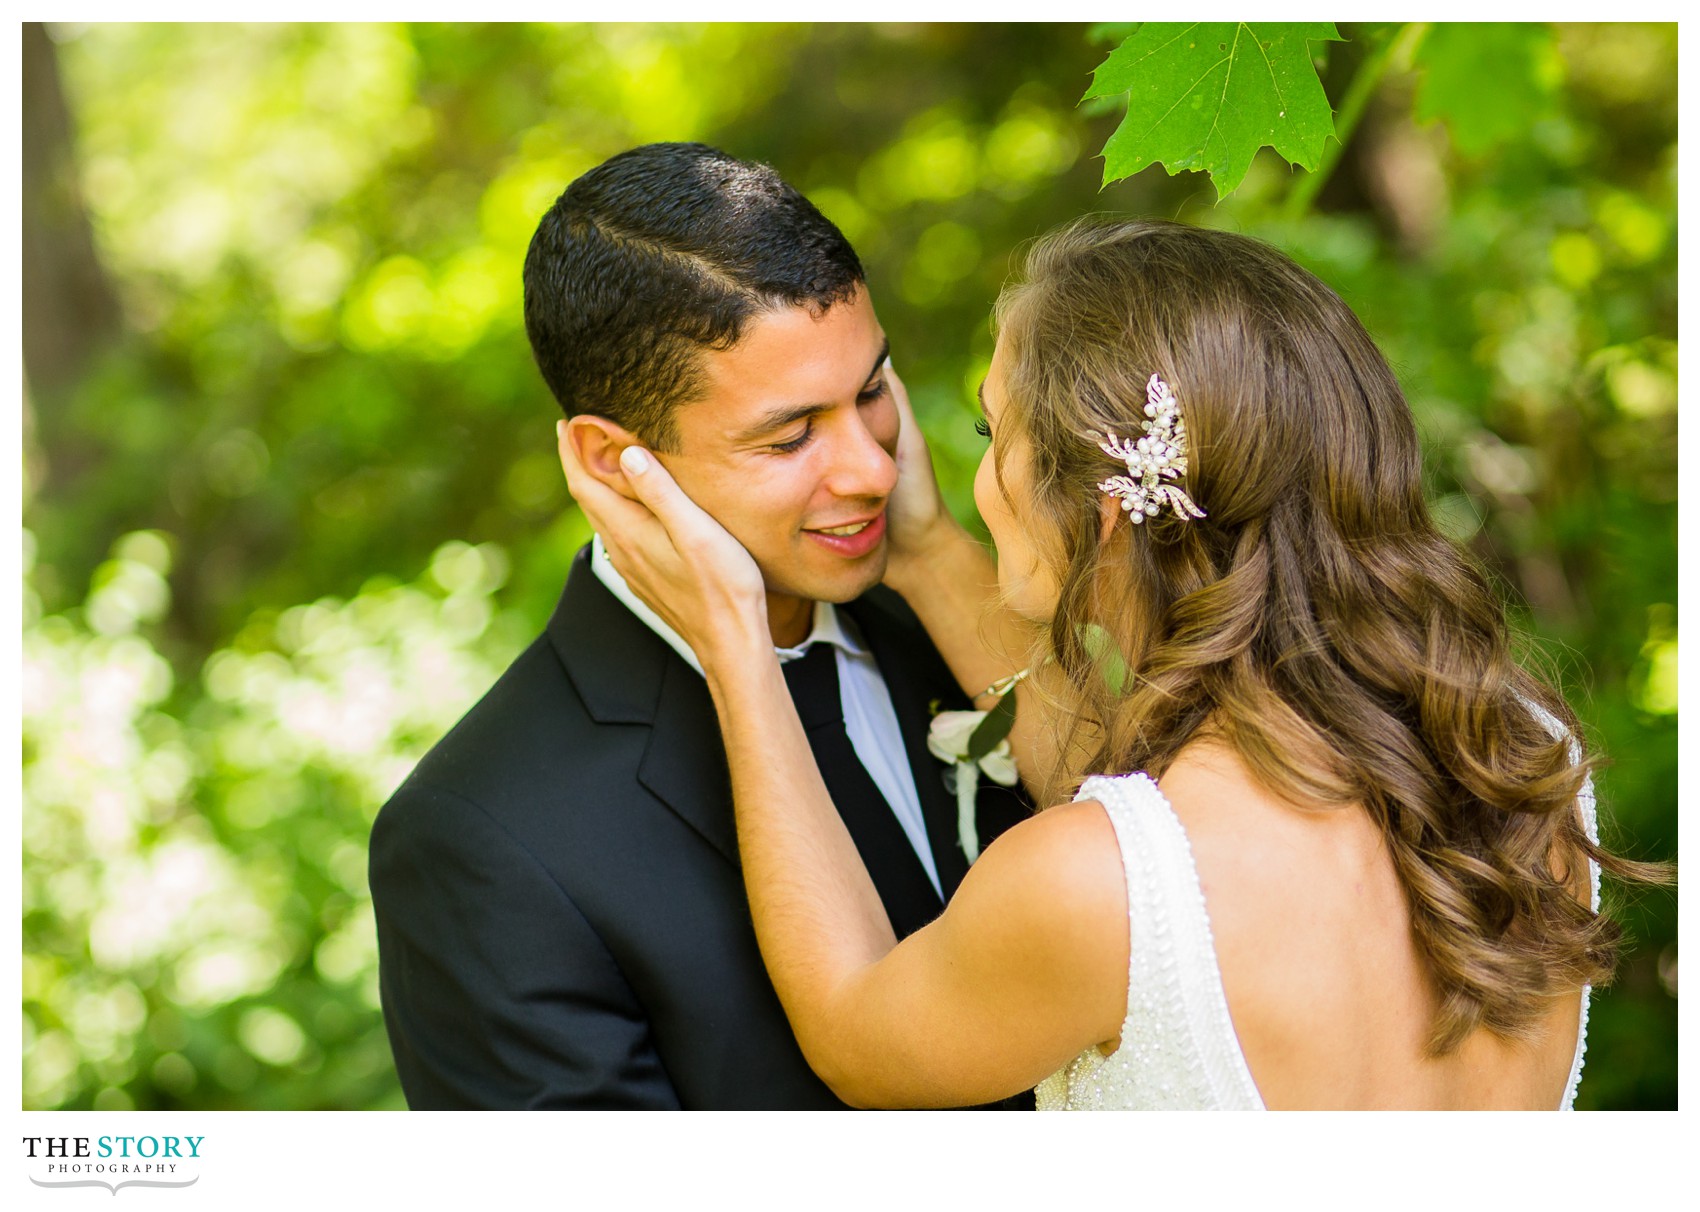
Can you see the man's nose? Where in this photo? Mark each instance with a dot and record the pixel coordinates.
(861, 467)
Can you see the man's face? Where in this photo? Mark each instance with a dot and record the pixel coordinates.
(793, 441)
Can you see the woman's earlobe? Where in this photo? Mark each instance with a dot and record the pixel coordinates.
(1109, 509)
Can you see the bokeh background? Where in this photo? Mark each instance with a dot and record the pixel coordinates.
(291, 498)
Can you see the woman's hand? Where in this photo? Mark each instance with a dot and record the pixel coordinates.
(917, 521)
(677, 558)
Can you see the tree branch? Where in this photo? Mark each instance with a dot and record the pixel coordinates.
(1401, 46)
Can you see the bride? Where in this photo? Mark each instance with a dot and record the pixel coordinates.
(1317, 842)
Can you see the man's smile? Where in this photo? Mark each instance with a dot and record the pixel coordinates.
(847, 529)
(851, 539)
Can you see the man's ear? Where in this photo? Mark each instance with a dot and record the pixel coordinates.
(597, 442)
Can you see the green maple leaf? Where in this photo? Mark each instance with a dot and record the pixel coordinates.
(1207, 95)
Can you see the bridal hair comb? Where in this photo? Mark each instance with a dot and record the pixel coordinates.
(1159, 455)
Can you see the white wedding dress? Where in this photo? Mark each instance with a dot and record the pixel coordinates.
(1178, 1049)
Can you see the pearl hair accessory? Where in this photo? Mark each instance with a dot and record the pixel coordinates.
(1159, 455)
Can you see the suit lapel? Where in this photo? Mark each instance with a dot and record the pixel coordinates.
(626, 674)
(904, 668)
(614, 661)
(685, 764)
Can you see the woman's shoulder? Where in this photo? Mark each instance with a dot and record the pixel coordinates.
(1072, 856)
(1205, 818)
(1064, 856)
(1054, 884)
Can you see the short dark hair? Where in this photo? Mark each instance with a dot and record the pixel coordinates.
(657, 253)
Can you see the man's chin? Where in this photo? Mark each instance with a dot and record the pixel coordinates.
(843, 584)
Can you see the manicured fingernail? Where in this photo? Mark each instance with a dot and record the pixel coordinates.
(634, 460)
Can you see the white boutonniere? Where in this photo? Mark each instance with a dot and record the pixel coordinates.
(973, 741)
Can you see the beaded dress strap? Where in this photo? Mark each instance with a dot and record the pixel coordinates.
(1589, 810)
(1173, 971)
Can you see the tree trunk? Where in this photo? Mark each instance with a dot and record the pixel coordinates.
(70, 311)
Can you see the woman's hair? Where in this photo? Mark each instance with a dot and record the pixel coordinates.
(1315, 620)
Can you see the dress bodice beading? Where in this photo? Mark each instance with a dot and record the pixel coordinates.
(1178, 1048)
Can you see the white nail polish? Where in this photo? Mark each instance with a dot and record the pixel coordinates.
(634, 460)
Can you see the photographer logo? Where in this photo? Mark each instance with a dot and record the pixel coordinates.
(113, 1162)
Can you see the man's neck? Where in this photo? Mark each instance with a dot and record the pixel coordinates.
(789, 619)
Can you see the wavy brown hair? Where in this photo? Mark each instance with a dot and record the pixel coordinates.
(1315, 620)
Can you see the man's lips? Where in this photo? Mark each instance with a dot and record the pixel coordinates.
(864, 535)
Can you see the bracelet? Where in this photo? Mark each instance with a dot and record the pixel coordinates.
(1003, 686)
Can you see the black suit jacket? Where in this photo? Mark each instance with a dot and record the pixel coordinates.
(561, 917)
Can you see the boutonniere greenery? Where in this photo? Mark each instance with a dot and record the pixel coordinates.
(975, 741)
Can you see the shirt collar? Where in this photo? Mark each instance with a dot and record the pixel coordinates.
(830, 626)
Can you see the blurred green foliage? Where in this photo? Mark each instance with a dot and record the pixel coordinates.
(288, 524)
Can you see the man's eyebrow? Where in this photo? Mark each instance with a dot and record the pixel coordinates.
(885, 352)
(779, 418)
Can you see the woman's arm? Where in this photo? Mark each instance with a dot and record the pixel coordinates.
(951, 583)
(1028, 965)
(1026, 968)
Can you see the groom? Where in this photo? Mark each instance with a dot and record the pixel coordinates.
(561, 917)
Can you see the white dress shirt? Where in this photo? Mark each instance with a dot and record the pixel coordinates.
(869, 717)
